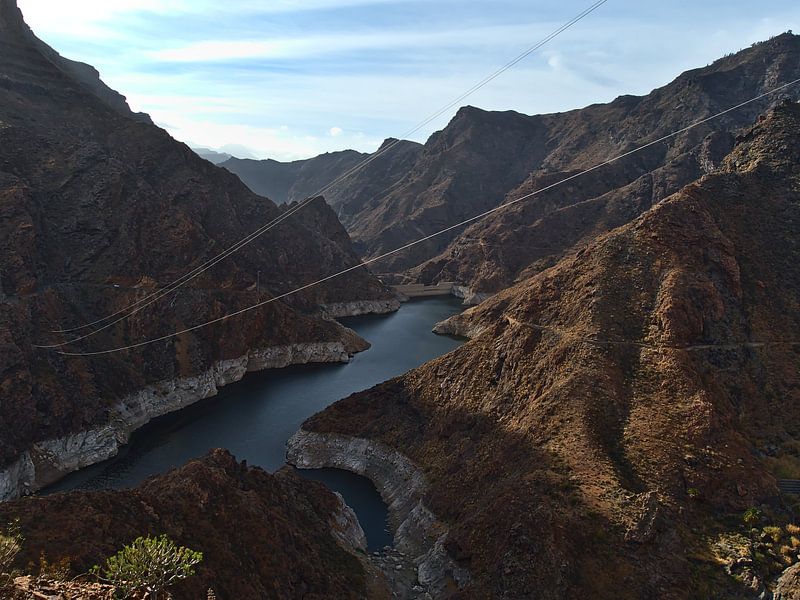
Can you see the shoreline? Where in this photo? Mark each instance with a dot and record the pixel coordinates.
(418, 533)
(47, 461)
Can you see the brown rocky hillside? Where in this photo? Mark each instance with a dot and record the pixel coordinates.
(262, 536)
(613, 416)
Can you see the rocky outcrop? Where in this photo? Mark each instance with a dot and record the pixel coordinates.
(262, 535)
(459, 326)
(363, 307)
(49, 460)
(418, 533)
(346, 528)
(469, 296)
(788, 587)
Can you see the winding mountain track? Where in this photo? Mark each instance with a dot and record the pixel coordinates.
(656, 347)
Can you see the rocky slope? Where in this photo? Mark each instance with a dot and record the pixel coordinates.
(98, 207)
(262, 535)
(37, 588)
(482, 158)
(613, 416)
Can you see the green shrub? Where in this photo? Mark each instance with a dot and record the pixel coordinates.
(148, 565)
(774, 533)
(751, 516)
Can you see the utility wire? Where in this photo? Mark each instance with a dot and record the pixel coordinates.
(438, 233)
(197, 271)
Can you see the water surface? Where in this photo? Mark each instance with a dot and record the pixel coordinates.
(255, 417)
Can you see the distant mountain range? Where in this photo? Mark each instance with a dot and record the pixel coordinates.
(483, 158)
(220, 155)
(284, 182)
(211, 155)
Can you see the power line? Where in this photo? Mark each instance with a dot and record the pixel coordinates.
(197, 271)
(440, 232)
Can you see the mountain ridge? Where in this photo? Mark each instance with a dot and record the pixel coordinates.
(483, 158)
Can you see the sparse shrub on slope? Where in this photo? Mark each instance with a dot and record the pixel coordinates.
(149, 565)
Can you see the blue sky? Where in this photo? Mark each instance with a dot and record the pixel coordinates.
(290, 79)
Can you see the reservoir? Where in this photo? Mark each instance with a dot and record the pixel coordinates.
(255, 417)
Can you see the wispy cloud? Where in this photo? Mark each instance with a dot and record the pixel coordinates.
(305, 46)
(292, 78)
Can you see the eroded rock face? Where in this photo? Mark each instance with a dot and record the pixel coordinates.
(49, 460)
(262, 535)
(607, 412)
(789, 585)
(418, 533)
(98, 209)
(365, 307)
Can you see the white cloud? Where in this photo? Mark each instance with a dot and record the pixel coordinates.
(511, 36)
(95, 17)
(86, 18)
(370, 77)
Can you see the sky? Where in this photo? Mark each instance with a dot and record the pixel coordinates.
(290, 79)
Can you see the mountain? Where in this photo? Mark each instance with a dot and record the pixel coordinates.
(291, 181)
(211, 156)
(483, 158)
(220, 155)
(296, 181)
(98, 208)
(261, 535)
(616, 424)
(13, 28)
(514, 243)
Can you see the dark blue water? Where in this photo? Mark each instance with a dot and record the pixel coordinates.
(256, 416)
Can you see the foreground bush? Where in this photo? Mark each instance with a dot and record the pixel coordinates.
(149, 565)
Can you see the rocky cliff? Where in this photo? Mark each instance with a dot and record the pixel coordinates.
(98, 208)
(262, 536)
(615, 416)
